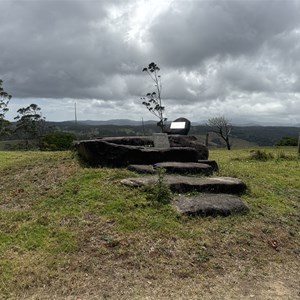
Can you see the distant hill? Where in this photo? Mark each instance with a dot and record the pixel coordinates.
(118, 122)
(241, 135)
(260, 135)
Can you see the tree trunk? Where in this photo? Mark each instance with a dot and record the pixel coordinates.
(206, 139)
(299, 143)
(228, 145)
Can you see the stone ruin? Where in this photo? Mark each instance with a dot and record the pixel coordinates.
(185, 160)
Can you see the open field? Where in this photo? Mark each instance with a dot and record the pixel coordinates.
(71, 232)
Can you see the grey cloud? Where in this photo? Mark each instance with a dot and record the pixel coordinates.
(214, 55)
(193, 31)
(63, 49)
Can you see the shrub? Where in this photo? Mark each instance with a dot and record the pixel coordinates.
(57, 141)
(287, 141)
(260, 155)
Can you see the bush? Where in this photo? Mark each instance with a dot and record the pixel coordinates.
(287, 141)
(57, 141)
(260, 155)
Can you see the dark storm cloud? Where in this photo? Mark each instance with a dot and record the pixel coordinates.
(61, 49)
(192, 31)
(216, 57)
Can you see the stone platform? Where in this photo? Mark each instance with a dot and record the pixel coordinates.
(123, 151)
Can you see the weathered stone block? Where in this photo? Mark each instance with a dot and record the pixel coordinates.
(210, 205)
(184, 184)
(185, 168)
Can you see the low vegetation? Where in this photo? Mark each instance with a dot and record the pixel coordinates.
(71, 232)
(287, 141)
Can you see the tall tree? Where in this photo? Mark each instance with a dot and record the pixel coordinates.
(152, 101)
(222, 127)
(30, 123)
(4, 100)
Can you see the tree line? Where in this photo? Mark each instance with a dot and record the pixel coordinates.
(29, 127)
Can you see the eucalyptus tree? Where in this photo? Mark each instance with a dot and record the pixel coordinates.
(152, 100)
(30, 123)
(4, 100)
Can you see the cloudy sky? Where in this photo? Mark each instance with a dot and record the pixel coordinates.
(240, 58)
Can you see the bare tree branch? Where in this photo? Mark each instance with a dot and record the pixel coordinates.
(222, 127)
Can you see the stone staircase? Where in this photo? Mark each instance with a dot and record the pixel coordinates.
(217, 195)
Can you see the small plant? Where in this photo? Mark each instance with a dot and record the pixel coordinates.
(160, 192)
(260, 155)
(281, 155)
(202, 255)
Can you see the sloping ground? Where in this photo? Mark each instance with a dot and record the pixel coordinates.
(68, 232)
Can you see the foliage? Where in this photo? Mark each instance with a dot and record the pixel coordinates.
(152, 101)
(287, 141)
(5, 127)
(57, 141)
(260, 155)
(4, 100)
(222, 127)
(160, 192)
(30, 122)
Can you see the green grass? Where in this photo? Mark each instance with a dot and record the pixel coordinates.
(273, 183)
(61, 223)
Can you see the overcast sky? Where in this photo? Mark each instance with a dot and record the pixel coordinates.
(240, 59)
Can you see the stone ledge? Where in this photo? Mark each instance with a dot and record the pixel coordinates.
(210, 162)
(142, 169)
(210, 205)
(103, 153)
(185, 168)
(203, 167)
(184, 184)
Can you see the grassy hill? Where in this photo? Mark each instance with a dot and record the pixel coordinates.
(71, 232)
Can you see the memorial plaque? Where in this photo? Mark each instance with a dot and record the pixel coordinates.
(161, 140)
(177, 125)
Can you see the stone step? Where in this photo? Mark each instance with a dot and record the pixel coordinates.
(185, 168)
(142, 169)
(184, 184)
(210, 205)
(210, 162)
(204, 167)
